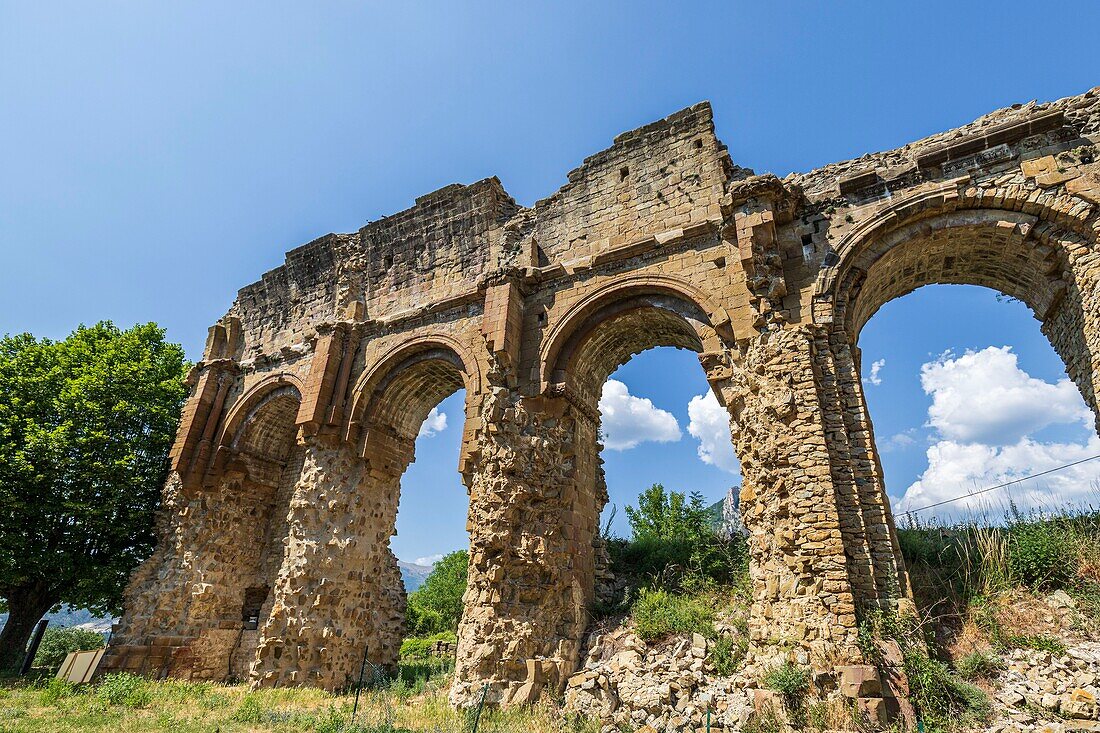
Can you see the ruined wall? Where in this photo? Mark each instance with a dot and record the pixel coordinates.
(661, 240)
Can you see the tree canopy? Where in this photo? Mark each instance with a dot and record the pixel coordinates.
(437, 605)
(85, 428)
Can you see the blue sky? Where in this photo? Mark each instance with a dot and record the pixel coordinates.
(156, 157)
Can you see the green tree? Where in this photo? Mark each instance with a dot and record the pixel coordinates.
(669, 515)
(57, 642)
(85, 428)
(674, 538)
(437, 605)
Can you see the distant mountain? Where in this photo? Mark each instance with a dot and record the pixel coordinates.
(725, 515)
(81, 617)
(413, 574)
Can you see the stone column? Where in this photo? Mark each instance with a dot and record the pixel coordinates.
(322, 618)
(1072, 323)
(790, 503)
(875, 564)
(534, 512)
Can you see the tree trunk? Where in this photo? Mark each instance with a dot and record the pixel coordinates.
(27, 604)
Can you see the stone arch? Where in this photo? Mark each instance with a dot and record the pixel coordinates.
(1043, 256)
(992, 238)
(258, 433)
(394, 395)
(623, 318)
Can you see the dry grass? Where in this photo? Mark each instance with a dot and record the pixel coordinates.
(182, 707)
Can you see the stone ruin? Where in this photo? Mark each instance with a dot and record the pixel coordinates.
(273, 562)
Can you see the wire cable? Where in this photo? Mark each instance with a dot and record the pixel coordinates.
(1001, 486)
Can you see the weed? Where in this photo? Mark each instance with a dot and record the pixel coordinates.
(727, 653)
(979, 665)
(56, 690)
(123, 689)
(658, 613)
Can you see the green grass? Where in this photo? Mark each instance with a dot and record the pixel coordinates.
(127, 704)
(658, 614)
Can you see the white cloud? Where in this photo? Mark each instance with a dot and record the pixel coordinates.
(984, 412)
(430, 560)
(710, 425)
(876, 367)
(436, 422)
(899, 441)
(956, 468)
(984, 397)
(628, 420)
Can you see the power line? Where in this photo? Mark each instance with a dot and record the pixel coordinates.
(1001, 486)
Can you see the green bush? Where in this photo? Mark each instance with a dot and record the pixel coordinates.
(1041, 555)
(941, 700)
(124, 689)
(726, 654)
(674, 543)
(658, 613)
(249, 711)
(788, 679)
(419, 647)
(979, 665)
(55, 690)
(57, 642)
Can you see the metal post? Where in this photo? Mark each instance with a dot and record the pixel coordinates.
(36, 639)
(480, 705)
(708, 720)
(359, 685)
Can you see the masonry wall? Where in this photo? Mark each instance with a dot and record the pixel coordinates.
(661, 240)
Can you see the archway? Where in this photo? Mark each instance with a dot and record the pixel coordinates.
(244, 527)
(395, 402)
(907, 247)
(339, 595)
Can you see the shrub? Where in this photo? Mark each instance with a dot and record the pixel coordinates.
(940, 699)
(726, 654)
(658, 613)
(674, 543)
(249, 711)
(420, 647)
(123, 689)
(788, 679)
(55, 690)
(979, 665)
(57, 642)
(1041, 555)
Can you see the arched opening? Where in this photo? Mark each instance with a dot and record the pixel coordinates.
(247, 525)
(965, 392)
(415, 401)
(630, 359)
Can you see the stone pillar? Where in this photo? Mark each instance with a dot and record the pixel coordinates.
(322, 618)
(875, 564)
(790, 504)
(1072, 324)
(534, 512)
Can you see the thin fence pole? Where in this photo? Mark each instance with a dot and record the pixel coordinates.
(708, 720)
(359, 685)
(480, 705)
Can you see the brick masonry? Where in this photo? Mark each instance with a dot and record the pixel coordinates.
(273, 563)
